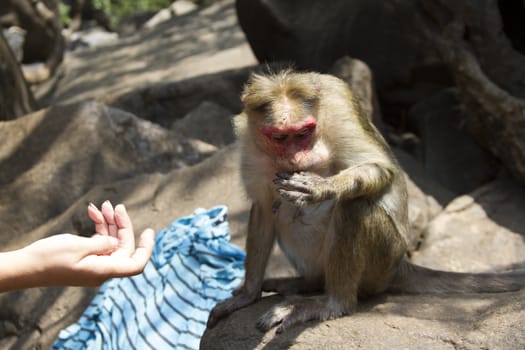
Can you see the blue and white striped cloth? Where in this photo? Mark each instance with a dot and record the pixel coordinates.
(193, 266)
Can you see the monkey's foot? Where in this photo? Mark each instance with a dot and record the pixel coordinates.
(299, 310)
(223, 309)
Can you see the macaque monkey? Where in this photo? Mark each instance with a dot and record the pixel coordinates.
(326, 186)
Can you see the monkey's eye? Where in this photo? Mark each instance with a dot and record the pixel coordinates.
(304, 132)
(279, 137)
(263, 108)
(310, 103)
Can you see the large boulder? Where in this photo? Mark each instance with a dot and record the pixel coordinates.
(207, 116)
(166, 102)
(313, 34)
(481, 231)
(448, 153)
(52, 157)
(490, 321)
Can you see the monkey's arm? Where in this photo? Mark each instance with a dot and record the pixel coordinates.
(306, 187)
(259, 245)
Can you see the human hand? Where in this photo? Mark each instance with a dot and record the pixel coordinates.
(67, 259)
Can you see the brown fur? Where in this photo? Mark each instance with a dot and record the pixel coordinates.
(339, 211)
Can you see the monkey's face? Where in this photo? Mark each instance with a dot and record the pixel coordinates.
(286, 132)
(282, 117)
(289, 141)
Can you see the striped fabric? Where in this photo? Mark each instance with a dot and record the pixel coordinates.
(193, 266)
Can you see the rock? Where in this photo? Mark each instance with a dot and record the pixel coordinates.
(42, 37)
(15, 37)
(165, 103)
(52, 157)
(450, 156)
(371, 31)
(182, 48)
(416, 172)
(384, 34)
(489, 321)
(92, 37)
(183, 7)
(161, 16)
(482, 231)
(208, 122)
(36, 72)
(359, 78)
(177, 8)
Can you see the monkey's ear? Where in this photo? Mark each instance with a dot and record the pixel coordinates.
(243, 98)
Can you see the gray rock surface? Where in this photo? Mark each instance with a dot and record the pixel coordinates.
(392, 322)
(207, 41)
(449, 154)
(207, 116)
(482, 231)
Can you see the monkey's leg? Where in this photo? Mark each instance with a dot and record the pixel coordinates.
(294, 310)
(292, 285)
(342, 274)
(364, 251)
(259, 244)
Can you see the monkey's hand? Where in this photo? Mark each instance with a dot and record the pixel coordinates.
(303, 188)
(240, 299)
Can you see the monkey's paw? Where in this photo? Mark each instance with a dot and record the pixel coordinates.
(298, 310)
(302, 188)
(223, 309)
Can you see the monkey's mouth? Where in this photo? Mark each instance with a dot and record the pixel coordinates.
(287, 166)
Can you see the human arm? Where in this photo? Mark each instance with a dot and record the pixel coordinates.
(67, 259)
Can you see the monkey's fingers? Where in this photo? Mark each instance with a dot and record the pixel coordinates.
(284, 175)
(298, 198)
(295, 184)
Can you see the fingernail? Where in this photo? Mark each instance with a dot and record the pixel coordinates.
(92, 205)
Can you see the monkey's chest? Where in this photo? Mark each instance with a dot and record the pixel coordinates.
(302, 235)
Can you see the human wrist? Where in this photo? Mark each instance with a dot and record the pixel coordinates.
(19, 270)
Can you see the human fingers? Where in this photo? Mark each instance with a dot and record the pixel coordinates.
(109, 215)
(143, 252)
(101, 226)
(121, 266)
(126, 235)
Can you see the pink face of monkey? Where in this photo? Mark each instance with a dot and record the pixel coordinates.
(282, 113)
(291, 141)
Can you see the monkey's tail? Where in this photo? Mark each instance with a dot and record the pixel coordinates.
(415, 279)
